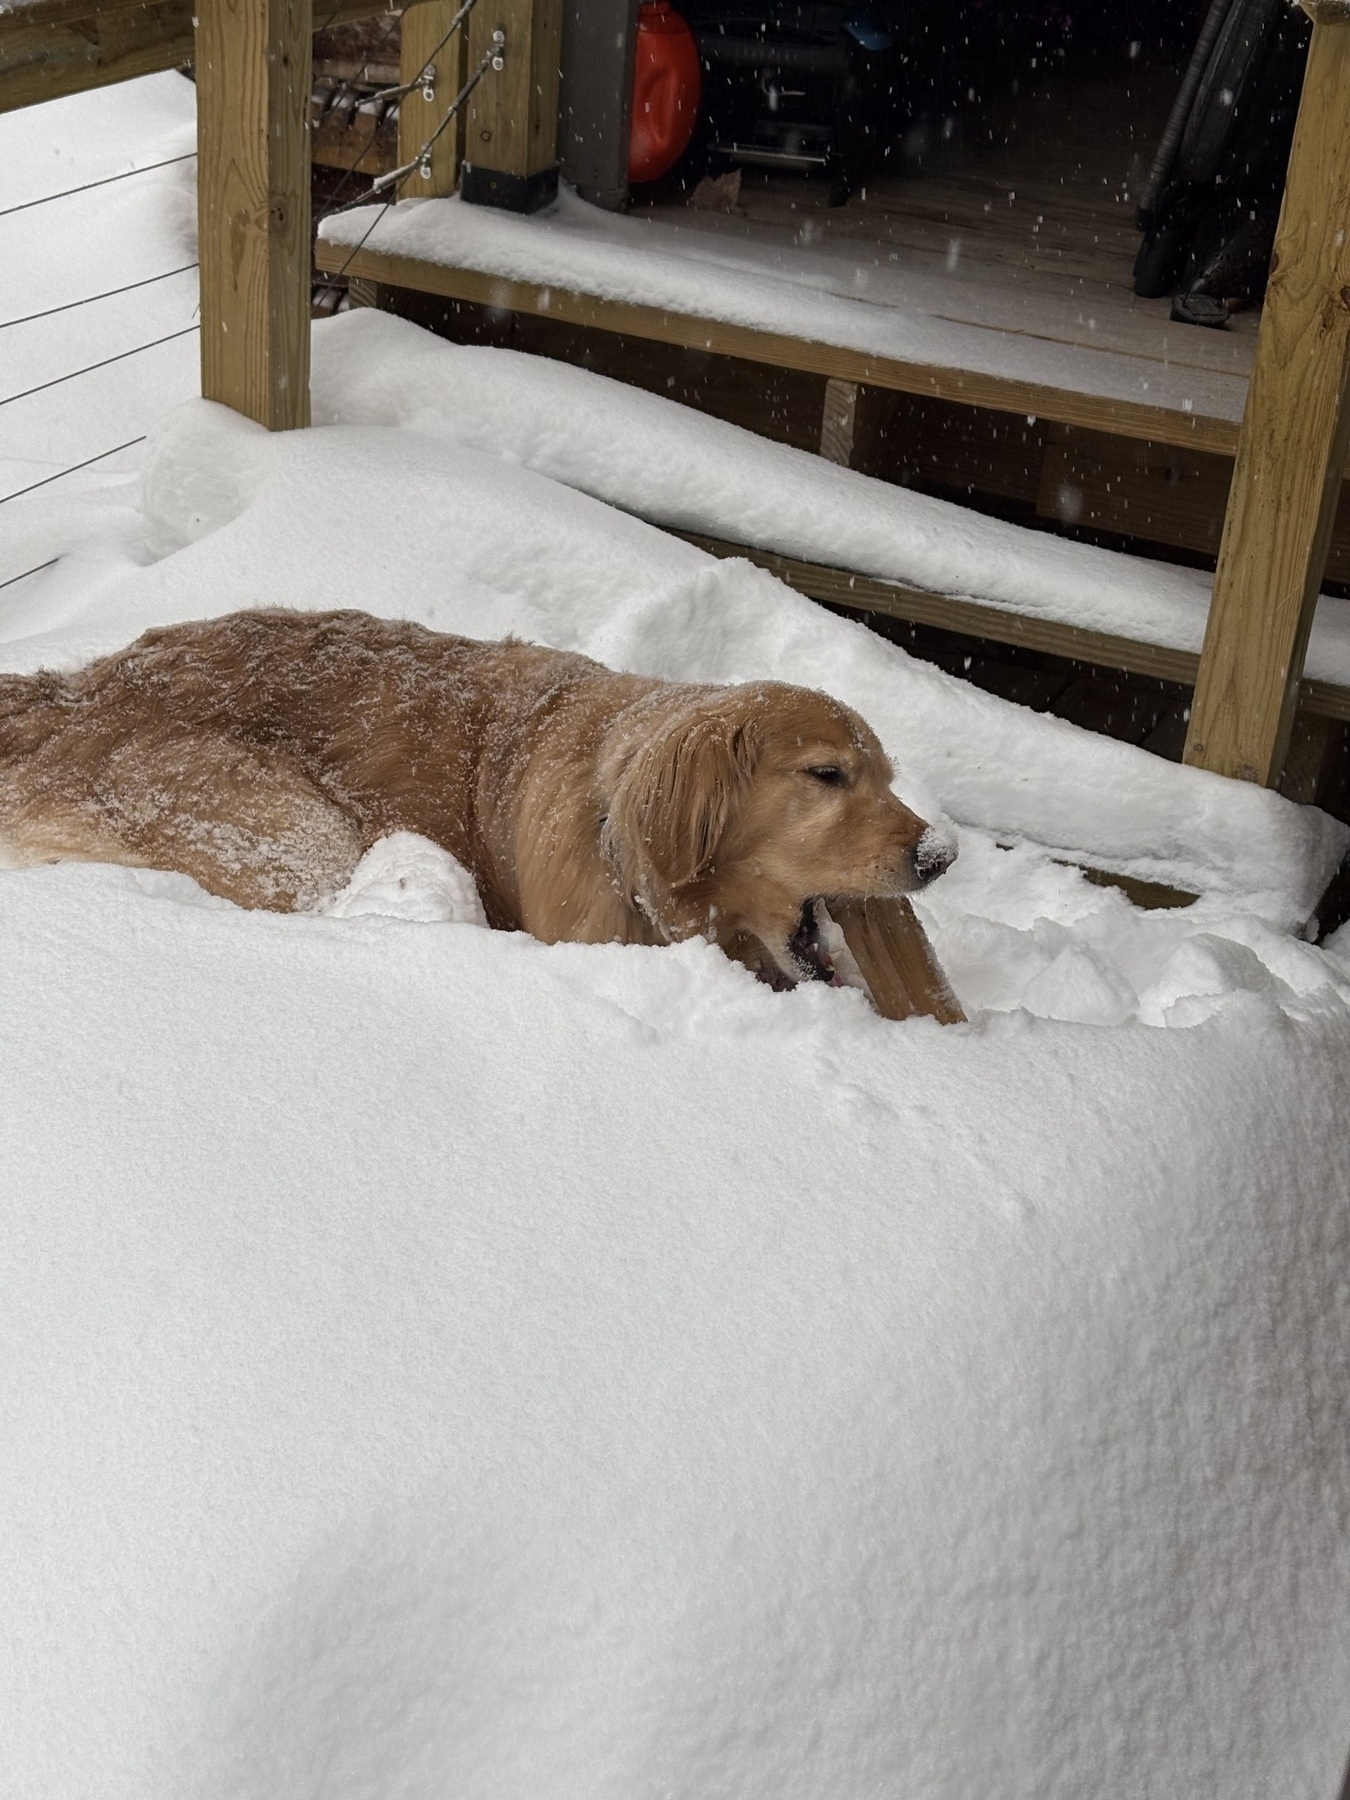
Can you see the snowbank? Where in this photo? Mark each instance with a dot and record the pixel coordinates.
(437, 1363)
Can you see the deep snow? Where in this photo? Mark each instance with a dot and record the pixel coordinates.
(433, 1362)
(436, 1364)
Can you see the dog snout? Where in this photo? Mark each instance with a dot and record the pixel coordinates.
(933, 856)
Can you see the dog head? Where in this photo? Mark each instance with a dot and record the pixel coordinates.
(732, 812)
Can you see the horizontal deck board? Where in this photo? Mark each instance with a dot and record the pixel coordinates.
(973, 618)
(1066, 406)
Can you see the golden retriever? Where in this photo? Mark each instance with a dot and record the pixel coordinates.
(264, 752)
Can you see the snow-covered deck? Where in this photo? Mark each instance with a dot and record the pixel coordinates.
(1078, 355)
(887, 317)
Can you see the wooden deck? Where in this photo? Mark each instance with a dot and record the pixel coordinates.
(1016, 234)
(975, 419)
(1022, 243)
(1031, 206)
(987, 278)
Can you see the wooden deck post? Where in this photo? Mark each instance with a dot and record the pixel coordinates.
(424, 26)
(511, 135)
(1292, 448)
(253, 84)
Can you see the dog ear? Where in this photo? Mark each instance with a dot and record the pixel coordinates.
(675, 795)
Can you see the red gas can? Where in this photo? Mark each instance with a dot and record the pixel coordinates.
(665, 92)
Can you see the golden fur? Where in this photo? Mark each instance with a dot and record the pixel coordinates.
(264, 752)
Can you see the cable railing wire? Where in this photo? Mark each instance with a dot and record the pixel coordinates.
(72, 470)
(389, 93)
(89, 368)
(125, 174)
(352, 168)
(36, 570)
(409, 87)
(89, 299)
(396, 177)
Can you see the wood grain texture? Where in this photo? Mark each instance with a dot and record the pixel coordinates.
(1310, 742)
(892, 950)
(43, 57)
(513, 114)
(253, 85)
(424, 25)
(838, 417)
(53, 47)
(1155, 494)
(1291, 451)
(352, 140)
(921, 606)
(1127, 418)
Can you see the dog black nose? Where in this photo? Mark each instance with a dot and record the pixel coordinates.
(933, 856)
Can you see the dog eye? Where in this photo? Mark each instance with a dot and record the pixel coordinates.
(829, 773)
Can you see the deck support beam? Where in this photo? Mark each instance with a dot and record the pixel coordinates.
(839, 421)
(1292, 446)
(253, 83)
(511, 135)
(422, 52)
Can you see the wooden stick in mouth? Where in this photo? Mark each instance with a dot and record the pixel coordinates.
(892, 951)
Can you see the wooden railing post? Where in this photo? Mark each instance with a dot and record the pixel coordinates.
(424, 26)
(511, 135)
(253, 85)
(1292, 448)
